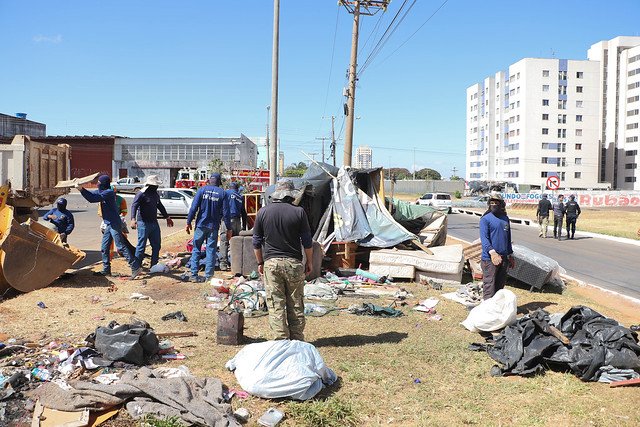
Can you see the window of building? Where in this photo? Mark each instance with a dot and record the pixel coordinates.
(633, 72)
(562, 148)
(579, 74)
(562, 90)
(579, 118)
(562, 118)
(633, 85)
(577, 175)
(544, 174)
(545, 131)
(578, 160)
(518, 118)
(629, 179)
(578, 146)
(578, 132)
(517, 103)
(633, 112)
(562, 104)
(545, 117)
(579, 89)
(631, 153)
(545, 145)
(562, 133)
(633, 99)
(632, 126)
(512, 92)
(545, 73)
(578, 104)
(631, 166)
(545, 88)
(562, 75)
(632, 139)
(545, 102)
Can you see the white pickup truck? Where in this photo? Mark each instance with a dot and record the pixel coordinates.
(129, 185)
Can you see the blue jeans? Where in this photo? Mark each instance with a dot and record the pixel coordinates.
(199, 236)
(150, 231)
(114, 234)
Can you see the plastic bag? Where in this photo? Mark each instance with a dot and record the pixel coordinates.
(128, 343)
(159, 268)
(282, 368)
(494, 313)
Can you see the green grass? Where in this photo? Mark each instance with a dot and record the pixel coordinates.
(153, 421)
(332, 412)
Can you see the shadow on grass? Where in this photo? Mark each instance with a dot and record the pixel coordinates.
(547, 288)
(358, 340)
(533, 306)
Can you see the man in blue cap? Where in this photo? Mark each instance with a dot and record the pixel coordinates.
(61, 218)
(113, 225)
(238, 216)
(209, 207)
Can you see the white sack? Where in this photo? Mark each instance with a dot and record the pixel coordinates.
(281, 368)
(494, 313)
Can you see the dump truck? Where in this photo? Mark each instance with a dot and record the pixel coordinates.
(32, 255)
(31, 170)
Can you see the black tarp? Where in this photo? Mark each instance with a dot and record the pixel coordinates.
(528, 348)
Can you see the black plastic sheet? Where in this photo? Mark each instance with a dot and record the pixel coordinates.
(529, 348)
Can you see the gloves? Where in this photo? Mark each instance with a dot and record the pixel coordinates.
(496, 258)
(512, 262)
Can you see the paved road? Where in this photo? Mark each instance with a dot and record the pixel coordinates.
(600, 262)
(87, 236)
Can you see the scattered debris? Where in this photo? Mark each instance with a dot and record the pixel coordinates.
(178, 315)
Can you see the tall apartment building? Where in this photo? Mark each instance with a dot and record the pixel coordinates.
(364, 157)
(539, 118)
(619, 113)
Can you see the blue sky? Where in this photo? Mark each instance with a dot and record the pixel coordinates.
(203, 68)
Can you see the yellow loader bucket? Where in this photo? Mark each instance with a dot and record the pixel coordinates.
(31, 255)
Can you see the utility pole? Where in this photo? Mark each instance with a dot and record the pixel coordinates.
(356, 8)
(333, 139)
(454, 170)
(414, 163)
(273, 149)
(268, 152)
(323, 139)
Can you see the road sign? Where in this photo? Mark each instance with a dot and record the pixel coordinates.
(553, 183)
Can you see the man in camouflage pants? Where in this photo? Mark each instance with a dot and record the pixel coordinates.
(280, 229)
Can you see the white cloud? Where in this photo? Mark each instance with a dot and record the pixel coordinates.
(48, 39)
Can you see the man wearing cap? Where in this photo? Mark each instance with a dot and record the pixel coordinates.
(113, 224)
(558, 215)
(572, 208)
(144, 217)
(238, 216)
(497, 253)
(61, 218)
(211, 204)
(279, 231)
(544, 206)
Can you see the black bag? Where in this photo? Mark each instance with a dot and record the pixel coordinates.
(128, 343)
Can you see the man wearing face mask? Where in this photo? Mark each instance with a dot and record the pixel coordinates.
(497, 253)
(113, 224)
(61, 218)
(558, 216)
(144, 217)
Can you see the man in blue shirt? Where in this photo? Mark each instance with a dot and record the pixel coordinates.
(113, 225)
(61, 218)
(497, 254)
(211, 205)
(144, 217)
(238, 216)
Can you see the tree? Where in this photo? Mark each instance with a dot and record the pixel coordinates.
(400, 173)
(455, 178)
(295, 170)
(427, 173)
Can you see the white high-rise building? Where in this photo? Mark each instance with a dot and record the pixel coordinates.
(364, 157)
(537, 119)
(619, 112)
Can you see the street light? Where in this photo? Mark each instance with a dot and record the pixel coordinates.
(268, 155)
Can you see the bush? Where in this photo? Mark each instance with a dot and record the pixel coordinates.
(457, 194)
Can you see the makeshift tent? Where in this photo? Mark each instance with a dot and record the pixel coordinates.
(426, 221)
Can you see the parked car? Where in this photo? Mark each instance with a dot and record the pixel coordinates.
(440, 201)
(129, 185)
(177, 201)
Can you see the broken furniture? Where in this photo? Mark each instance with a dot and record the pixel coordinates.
(446, 262)
(533, 268)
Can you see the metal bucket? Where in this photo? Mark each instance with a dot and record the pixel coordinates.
(230, 328)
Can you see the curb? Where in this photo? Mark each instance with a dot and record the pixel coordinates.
(578, 281)
(533, 223)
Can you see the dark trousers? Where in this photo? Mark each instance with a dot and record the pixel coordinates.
(571, 226)
(493, 277)
(557, 226)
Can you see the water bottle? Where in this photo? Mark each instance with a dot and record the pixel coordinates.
(41, 374)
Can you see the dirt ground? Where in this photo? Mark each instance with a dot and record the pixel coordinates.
(377, 360)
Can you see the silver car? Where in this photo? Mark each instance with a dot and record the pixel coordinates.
(177, 201)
